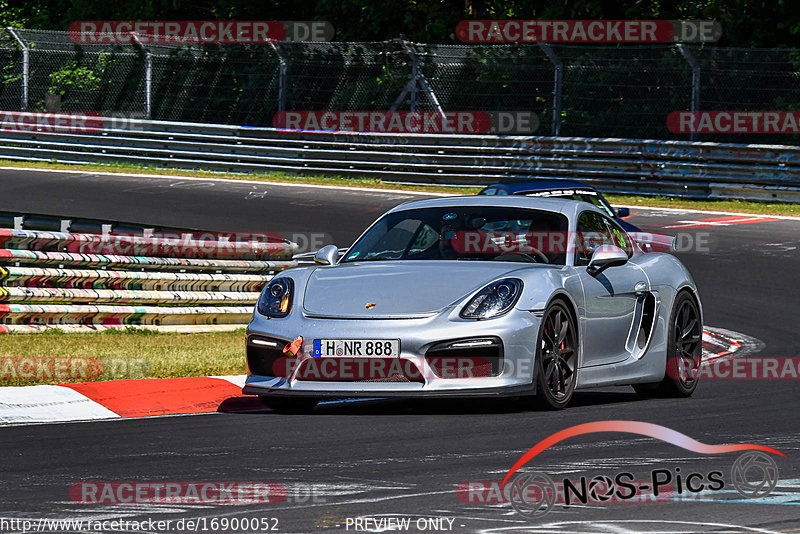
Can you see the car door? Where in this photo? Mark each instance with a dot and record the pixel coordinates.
(610, 296)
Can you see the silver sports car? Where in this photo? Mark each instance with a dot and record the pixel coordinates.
(464, 296)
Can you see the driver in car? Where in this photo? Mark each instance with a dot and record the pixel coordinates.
(447, 234)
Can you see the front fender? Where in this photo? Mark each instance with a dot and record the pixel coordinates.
(541, 285)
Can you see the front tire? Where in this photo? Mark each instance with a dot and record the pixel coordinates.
(684, 352)
(556, 357)
(296, 405)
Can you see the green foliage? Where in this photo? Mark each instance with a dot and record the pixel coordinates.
(10, 73)
(17, 16)
(73, 77)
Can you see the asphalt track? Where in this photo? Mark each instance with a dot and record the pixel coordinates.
(401, 458)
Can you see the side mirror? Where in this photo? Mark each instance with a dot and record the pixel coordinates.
(327, 255)
(604, 257)
(623, 212)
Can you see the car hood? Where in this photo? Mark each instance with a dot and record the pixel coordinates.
(396, 288)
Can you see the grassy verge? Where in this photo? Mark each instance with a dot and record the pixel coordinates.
(56, 357)
(742, 206)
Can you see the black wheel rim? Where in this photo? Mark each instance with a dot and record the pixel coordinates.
(688, 337)
(558, 354)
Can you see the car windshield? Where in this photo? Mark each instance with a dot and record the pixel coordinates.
(586, 195)
(476, 233)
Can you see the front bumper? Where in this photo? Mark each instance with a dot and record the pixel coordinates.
(516, 332)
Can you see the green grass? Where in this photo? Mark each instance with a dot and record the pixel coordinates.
(765, 208)
(128, 353)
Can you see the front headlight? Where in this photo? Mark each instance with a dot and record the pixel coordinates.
(495, 299)
(276, 299)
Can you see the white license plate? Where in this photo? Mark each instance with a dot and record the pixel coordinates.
(357, 348)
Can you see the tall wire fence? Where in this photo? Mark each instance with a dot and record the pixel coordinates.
(575, 90)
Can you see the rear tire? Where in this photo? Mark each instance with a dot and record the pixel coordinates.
(684, 352)
(296, 405)
(556, 357)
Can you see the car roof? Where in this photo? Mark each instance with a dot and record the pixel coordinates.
(541, 185)
(559, 205)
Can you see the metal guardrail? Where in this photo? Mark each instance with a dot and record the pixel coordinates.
(63, 223)
(648, 167)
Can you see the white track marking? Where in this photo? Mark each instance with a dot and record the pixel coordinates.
(736, 344)
(701, 223)
(712, 212)
(48, 404)
(619, 526)
(236, 380)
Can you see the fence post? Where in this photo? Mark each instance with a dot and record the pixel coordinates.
(415, 75)
(418, 80)
(26, 67)
(690, 59)
(412, 81)
(282, 76)
(148, 77)
(412, 96)
(558, 82)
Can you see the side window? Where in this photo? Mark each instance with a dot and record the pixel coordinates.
(620, 237)
(501, 192)
(593, 232)
(489, 191)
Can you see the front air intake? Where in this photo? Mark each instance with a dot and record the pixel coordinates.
(466, 358)
(265, 357)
